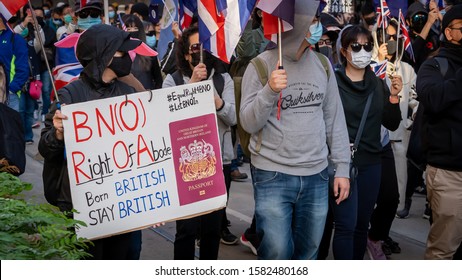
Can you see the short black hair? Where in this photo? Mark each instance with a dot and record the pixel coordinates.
(367, 8)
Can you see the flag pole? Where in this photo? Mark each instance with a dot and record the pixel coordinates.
(398, 29)
(383, 21)
(280, 43)
(36, 27)
(106, 12)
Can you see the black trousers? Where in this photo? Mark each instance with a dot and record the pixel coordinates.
(207, 227)
(112, 248)
(388, 199)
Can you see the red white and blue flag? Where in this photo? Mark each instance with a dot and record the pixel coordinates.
(382, 20)
(122, 24)
(274, 10)
(9, 7)
(186, 10)
(405, 36)
(221, 23)
(380, 68)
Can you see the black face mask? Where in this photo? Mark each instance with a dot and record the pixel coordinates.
(327, 51)
(369, 21)
(40, 21)
(391, 47)
(121, 65)
(209, 60)
(135, 34)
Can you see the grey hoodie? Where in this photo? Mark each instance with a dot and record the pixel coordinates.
(312, 119)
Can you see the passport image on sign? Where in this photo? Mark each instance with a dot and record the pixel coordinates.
(197, 159)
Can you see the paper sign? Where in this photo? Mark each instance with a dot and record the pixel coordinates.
(144, 158)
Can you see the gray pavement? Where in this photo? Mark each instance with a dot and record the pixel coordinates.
(410, 233)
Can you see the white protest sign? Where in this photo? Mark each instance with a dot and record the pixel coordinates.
(144, 158)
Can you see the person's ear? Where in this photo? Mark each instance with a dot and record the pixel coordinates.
(343, 52)
(447, 34)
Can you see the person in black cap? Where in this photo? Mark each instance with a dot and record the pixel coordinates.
(88, 15)
(141, 10)
(438, 84)
(104, 60)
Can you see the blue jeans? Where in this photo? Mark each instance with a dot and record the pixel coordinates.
(26, 110)
(46, 91)
(290, 213)
(352, 215)
(13, 101)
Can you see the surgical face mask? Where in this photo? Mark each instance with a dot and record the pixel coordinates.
(151, 41)
(327, 51)
(111, 14)
(85, 23)
(361, 59)
(25, 32)
(47, 13)
(67, 19)
(58, 22)
(391, 47)
(121, 65)
(316, 33)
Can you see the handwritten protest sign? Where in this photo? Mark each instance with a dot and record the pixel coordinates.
(144, 158)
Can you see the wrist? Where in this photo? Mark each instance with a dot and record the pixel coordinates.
(394, 99)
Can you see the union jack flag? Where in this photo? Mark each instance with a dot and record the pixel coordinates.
(186, 10)
(221, 23)
(274, 10)
(405, 36)
(122, 23)
(380, 68)
(382, 15)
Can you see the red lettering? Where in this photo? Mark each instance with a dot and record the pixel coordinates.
(144, 149)
(81, 126)
(77, 170)
(125, 152)
(100, 119)
(137, 117)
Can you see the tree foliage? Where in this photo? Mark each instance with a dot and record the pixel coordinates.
(35, 231)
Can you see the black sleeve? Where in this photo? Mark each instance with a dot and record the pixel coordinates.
(391, 116)
(155, 73)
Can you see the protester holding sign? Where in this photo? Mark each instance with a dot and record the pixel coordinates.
(191, 69)
(103, 60)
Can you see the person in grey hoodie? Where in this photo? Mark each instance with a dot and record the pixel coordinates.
(289, 164)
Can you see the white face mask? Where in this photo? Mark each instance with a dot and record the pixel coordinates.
(361, 59)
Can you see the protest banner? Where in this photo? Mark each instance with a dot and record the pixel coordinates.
(143, 158)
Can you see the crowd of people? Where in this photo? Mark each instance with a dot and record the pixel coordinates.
(336, 148)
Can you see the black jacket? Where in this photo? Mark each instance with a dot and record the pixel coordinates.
(97, 55)
(382, 112)
(441, 98)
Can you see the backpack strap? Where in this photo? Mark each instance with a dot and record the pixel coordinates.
(442, 64)
(219, 83)
(260, 66)
(178, 78)
(325, 63)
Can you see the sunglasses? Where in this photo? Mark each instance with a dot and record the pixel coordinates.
(91, 13)
(356, 47)
(419, 18)
(324, 41)
(392, 36)
(195, 48)
(151, 33)
(456, 28)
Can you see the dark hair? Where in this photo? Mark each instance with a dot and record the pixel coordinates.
(367, 8)
(394, 23)
(183, 49)
(134, 21)
(350, 35)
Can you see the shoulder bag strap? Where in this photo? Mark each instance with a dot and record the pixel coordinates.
(361, 125)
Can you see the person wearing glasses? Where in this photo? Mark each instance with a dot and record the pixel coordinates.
(88, 15)
(395, 144)
(300, 116)
(439, 84)
(356, 81)
(211, 227)
(424, 36)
